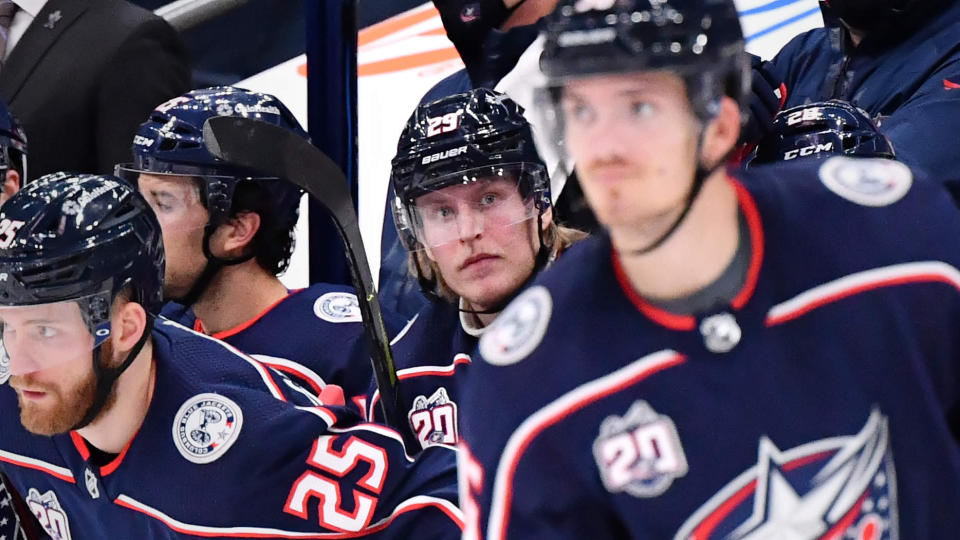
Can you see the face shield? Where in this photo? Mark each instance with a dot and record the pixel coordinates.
(175, 199)
(43, 336)
(468, 203)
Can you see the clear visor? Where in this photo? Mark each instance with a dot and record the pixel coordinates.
(174, 198)
(473, 202)
(43, 336)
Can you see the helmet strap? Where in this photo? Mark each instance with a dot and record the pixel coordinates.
(107, 377)
(699, 177)
(210, 270)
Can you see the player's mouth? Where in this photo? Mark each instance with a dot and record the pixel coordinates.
(477, 260)
(609, 174)
(33, 394)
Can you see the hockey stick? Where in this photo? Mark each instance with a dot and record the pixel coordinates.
(279, 152)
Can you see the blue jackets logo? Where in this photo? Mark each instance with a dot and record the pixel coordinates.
(639, 453)
(519, 329)
(867, 182)
(205, 427)
(338, 307)
(4, 365)
(49, 513)
(841, 487)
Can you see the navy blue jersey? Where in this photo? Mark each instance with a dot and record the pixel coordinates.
(912, 86)
(432, 356)
(231, 448)
(814, 405)
(314, 335)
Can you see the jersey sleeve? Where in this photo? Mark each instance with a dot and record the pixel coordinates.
(312, 472)
(920, 128)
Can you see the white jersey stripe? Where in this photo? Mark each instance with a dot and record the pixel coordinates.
(887, 276)
(411, 504)
(560, 408)
(420, 371)
(35, 464)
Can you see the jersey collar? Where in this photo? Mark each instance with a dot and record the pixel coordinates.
(674, 321)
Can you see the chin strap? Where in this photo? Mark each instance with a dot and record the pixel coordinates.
(541, 261)
(214, 264)
(699, 177)
(107, 377)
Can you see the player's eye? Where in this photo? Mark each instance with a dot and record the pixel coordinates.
(577, 111)
(46, 332)
(641, 109)
(489, 199)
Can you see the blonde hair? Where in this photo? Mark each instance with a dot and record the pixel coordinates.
(557, 239)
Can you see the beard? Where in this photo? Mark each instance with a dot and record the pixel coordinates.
(63, 408)
(60, 410)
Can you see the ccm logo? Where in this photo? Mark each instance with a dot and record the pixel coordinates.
(453, 152)
(807, 151)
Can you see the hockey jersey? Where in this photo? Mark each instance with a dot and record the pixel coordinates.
(913, 86)
(814, 405)
(432, 356)
(231, 448)
(314, 335)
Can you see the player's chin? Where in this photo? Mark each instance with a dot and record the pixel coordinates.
(47, 419)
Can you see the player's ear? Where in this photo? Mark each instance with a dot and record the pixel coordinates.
(722, 132)
(127, 324)
(11, 185)
(236, 234)
(547, 218)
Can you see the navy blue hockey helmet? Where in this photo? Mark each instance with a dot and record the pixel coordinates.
(171, 142)
(700, 40)
(13, 143)
(458, 139)
(80, 236)
(821, 130)
(77, 239)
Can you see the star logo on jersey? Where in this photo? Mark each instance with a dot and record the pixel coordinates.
(205, 427)
(639, 453)
(434, 419)
(49, 513)
(867, 182)
(519, 329)
(338, 307)
(840, 487)
(950, 85)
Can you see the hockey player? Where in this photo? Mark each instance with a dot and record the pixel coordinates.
(896, 59)
(132, 426)
(473, 210)
(228, 233)
(13, 153)
(821, 130)
(770, 355)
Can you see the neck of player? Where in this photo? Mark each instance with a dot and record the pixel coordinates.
(237, 294)
(125, 411)
(695, 255)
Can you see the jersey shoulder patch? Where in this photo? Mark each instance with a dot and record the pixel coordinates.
(338, 307)
(206, 426)
(519, 329)
(867, 182)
